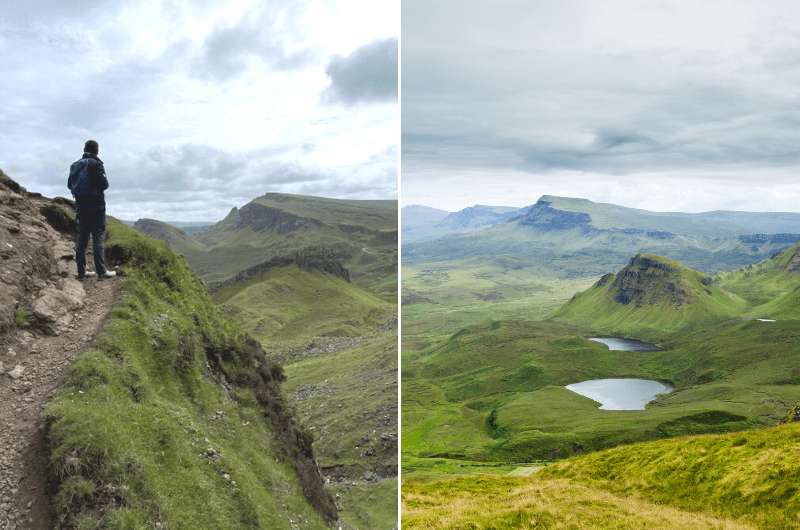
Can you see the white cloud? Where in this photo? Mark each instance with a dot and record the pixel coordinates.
(198, 105)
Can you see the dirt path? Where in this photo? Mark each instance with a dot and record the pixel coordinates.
(23, 394)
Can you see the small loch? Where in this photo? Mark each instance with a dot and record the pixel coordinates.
(616, 343)
(621, 393)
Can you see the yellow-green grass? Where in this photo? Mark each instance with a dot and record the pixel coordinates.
(129, 431)
(485, 502)
(287, 307)
(751, 475)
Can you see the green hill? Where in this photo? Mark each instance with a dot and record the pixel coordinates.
(175, 238)
(650, 297)
(175, 418)
(287, 306)
(361, 233)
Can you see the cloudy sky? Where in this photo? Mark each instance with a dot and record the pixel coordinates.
(201, 105)
(665, 105)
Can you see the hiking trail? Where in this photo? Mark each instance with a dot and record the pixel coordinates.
(47, 319)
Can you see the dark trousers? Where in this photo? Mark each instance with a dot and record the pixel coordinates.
(97, 230)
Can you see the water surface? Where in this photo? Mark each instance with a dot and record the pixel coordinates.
(620, 394)
(616, 343)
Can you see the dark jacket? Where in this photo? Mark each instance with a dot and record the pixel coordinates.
(91, 204)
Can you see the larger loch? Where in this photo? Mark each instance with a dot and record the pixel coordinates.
(621, 393)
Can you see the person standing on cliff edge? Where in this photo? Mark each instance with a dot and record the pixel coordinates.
(87, 182)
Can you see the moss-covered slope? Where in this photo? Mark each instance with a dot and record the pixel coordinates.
(174, 418)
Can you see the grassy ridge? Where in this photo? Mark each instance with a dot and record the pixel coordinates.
(174, 417)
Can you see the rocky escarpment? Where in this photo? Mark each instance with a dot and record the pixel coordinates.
(264, 218)
(544, 217)
(648, 280)
(318, 259)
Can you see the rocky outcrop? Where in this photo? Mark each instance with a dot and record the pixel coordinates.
(36, 261)
(544, 217)
(647, 280)
(794, 261)
(309, 259)
(759, 239)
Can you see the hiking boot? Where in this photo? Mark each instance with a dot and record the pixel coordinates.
(107, 274)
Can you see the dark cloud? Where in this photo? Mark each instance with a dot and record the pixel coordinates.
(227, 52)
(369, 74)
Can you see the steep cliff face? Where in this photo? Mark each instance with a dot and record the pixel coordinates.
(544, 217)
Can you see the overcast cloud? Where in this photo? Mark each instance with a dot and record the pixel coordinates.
(200, 106)
(670, 105)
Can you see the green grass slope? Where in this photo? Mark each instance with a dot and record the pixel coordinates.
(650, 297)
(338, 345)
(288, 307)
(174, 418)
(751, 476)
(348, 401)
(770, 286)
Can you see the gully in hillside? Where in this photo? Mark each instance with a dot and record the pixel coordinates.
(87, 182)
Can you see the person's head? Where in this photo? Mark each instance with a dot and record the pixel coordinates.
(92, 147)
